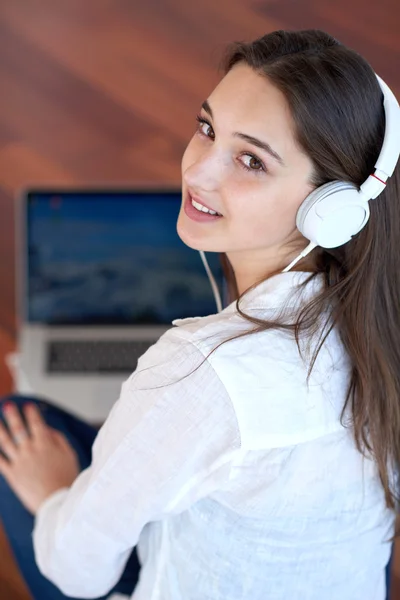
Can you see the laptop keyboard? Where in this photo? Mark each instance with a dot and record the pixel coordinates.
(86, 356)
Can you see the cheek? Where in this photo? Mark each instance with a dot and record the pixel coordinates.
(265, 217)
(259, 227)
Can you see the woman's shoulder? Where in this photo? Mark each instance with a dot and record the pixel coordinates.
(268, 301)
(265, 375)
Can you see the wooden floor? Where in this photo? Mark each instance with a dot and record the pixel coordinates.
(106, 92)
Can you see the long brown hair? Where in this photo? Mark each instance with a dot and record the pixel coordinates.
(337, 106)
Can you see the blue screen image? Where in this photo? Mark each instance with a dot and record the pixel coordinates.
(113, 258)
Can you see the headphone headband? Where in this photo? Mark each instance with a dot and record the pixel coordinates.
(333, 213)
(390, 151)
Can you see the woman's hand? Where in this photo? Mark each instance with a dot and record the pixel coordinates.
(40, 459)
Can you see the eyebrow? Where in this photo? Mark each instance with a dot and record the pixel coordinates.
(249, 138)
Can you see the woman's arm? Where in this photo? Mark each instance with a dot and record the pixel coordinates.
(159, 451)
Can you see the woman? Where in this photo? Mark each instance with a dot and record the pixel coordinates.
(253, 453)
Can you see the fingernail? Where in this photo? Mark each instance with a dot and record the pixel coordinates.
(7, 405)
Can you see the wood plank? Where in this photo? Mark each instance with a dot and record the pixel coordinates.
(95, 129)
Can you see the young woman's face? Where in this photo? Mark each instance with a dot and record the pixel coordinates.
(256, 191)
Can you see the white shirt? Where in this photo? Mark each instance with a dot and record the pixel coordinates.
(237, 482)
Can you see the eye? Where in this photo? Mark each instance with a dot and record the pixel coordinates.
(204, 128)
(254, 164)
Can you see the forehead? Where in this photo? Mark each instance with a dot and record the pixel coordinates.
(248, 102)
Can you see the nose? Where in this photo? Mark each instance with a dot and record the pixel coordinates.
(205, 172)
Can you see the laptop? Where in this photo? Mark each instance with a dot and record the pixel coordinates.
(102, 275)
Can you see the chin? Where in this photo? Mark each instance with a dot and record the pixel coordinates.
(189, 241)
(192, 242)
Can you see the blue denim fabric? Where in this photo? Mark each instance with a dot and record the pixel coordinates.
(18, 522)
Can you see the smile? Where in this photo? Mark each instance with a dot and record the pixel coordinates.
(197, 212)
(204, 208)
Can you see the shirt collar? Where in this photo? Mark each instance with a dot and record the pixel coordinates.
(280, 290)
(277, 292)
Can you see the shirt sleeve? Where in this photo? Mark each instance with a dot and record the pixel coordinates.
(168, 442)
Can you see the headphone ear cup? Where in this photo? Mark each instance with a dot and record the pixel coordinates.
(332, 214)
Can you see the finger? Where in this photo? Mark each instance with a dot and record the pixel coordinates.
(5, 467)
(60, 438)
(15, 424)
(7, 444)
(37, 426)
(56, 435)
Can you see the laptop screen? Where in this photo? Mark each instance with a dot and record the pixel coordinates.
(113, 258)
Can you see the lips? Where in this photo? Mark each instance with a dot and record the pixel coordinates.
(198, 215)
(200, 201)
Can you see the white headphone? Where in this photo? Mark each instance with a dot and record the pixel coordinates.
(333, 213)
